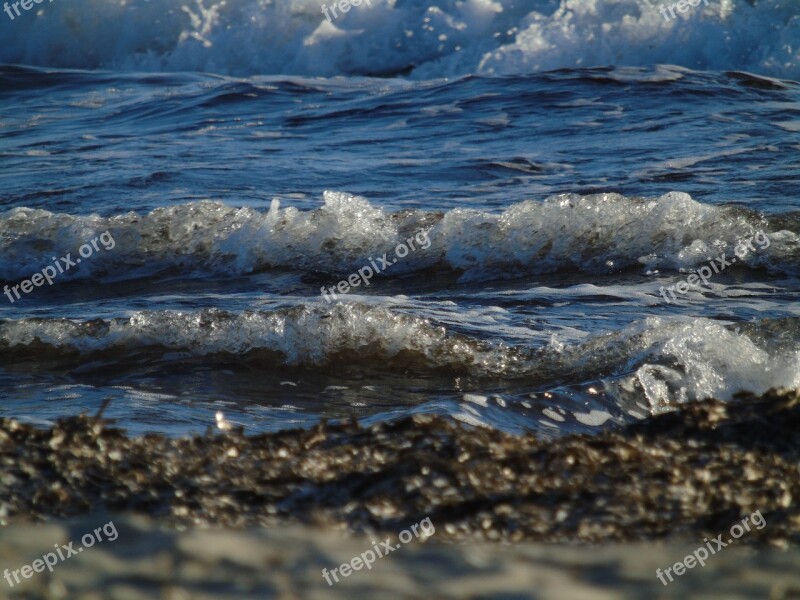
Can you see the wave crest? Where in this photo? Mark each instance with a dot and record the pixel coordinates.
(384, 37)
(600, 233)
(658, 361)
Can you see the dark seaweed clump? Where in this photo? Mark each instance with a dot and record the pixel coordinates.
(695, 471)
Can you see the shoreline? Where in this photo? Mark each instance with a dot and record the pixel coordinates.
(694, 471)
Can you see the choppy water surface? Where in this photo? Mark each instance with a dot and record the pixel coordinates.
(550, 210)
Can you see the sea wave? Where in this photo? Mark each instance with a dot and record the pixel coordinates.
(593, 234)
(413, 37)
(658, 360)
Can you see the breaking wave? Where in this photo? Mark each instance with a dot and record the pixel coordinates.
(662, 361)
(595, 234)
(411, 37)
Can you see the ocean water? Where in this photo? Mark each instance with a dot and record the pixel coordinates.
(558, 167)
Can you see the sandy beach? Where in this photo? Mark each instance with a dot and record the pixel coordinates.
(285, 563)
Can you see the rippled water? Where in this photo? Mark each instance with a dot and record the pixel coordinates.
(551, 211)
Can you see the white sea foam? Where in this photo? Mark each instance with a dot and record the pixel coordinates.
(446, 38)
(601, 233)
(680, 361)
(663, 361)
